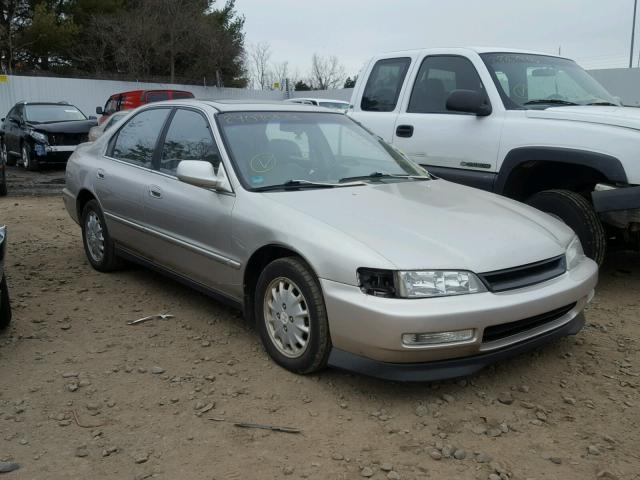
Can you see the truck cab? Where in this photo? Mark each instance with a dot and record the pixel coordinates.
(531, 126)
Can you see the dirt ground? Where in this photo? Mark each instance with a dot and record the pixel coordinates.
(85, 396)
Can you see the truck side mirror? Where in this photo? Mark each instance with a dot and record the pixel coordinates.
(99, 110)
(469, 101)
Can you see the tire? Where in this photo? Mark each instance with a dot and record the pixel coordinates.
(5, 306)
(10, 159)
(291, 276)
(3, 180)
(28, 161)
(574, 210)
(98, 245)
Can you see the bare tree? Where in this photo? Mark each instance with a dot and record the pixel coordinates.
(326, 72)
(259, 56)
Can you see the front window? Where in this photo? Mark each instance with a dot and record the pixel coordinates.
(538, 81)
(52, 113)
(273, 148)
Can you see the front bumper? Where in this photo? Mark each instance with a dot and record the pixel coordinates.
(53, 153)
(372, 327)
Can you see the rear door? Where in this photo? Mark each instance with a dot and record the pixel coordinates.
(192, 224)
(121, 183)
(458, 146)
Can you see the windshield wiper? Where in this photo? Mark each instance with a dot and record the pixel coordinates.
(551, 101)
(302, 184)
(380, 175)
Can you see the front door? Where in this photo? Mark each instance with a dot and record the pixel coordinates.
(192, 224)
(456, 144)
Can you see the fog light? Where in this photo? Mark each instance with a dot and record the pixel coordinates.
(418, 339)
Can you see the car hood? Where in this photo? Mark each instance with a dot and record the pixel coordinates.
(628, 117)
(75, 126)
(434, 224)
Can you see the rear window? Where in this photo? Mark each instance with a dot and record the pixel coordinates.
(157, 96)
(177, 95)
(384, 84)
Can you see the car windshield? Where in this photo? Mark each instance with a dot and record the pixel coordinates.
(275, 148)
(336, 105)
(52, 113)
(539, 81)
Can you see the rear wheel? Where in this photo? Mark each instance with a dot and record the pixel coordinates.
(574, 210)
(98, 246)
(9, 159)
(291, 316)
(5, 306)
(28, 160)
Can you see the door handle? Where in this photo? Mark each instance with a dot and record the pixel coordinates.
(155, 191)
(404, 131)
(100, 174)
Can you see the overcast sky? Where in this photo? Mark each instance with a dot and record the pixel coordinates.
(595, 32)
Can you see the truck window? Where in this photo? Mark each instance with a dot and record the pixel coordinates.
(437, 78)
(384, 84)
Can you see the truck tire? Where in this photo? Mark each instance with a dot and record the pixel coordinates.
(574, 210)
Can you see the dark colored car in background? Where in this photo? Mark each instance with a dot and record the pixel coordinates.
(136, 98)
(41, 132)
(5, 306)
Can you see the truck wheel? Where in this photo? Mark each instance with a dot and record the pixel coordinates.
(574, 210)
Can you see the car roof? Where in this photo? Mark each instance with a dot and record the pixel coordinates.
(478, 50)
(244, 105)
(61, 104)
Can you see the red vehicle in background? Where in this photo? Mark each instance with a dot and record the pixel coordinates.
(135, 98)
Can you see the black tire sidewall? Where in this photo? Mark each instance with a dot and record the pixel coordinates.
(576, 213)
(108, 259)
(314, 358)
(32, 165)
(5, 305)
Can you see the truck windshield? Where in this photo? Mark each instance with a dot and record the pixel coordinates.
(539, 81)
(291, 148)
(52, 113)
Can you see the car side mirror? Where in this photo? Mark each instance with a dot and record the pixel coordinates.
(198, 173)
(469, 101)
(99, 110)
(2, 119)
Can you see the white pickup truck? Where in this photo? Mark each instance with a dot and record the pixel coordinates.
(530, 126)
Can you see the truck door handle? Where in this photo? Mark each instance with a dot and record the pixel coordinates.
(404, 131)
(100, 174)
(155, 191)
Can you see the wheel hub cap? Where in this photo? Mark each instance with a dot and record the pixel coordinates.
(95, 237)
(287, 318)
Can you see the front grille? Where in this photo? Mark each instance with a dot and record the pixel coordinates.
(67, 138)
(518, 277)
(503, 330)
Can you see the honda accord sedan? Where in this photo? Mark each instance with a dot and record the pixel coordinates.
(340, 249)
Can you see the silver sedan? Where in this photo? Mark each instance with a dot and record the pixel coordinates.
(341, 250)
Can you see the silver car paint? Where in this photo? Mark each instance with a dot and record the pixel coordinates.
(408, 225)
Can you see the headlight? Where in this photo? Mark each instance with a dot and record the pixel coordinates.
(418, 283)
(437, 283)
(39, 137)
(575, 253)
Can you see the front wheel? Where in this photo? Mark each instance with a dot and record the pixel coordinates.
(98, 246)
(291, 316)
(574, 210)
(8, 159)
(28, 160)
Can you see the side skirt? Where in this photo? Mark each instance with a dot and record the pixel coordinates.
(214, 294)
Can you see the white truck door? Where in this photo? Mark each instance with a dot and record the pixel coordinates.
(456, 146)
(376, 104)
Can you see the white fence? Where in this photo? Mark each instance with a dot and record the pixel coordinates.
(87, 94)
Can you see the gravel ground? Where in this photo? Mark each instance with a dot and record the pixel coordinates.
(84, 395)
